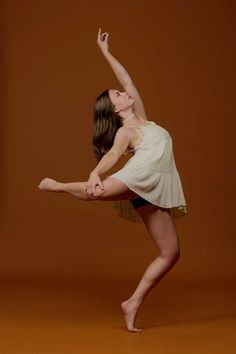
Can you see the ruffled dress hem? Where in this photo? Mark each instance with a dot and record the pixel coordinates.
(126, 210)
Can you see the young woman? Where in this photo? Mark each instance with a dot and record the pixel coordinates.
(147, 189)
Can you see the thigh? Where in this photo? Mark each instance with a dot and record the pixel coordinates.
(114, 190)
(162, 229)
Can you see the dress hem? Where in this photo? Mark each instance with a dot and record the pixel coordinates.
(176, 210)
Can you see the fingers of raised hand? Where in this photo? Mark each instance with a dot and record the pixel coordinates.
(99, 33)
(105, 36)
(102, 37)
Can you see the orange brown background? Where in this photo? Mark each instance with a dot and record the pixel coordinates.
(181, 56)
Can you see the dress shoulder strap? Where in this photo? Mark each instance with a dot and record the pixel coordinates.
(140, 126)
(135, 126)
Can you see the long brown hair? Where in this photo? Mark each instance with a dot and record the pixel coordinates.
(105, 125)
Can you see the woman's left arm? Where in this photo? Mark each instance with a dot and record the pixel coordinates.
(120, 72)
(118, 69)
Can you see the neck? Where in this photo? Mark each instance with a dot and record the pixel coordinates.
(132, 115)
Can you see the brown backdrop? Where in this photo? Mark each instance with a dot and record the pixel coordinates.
(180, 54)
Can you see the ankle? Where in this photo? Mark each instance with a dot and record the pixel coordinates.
(136, 300)
(60, 187)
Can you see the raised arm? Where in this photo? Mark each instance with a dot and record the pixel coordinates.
(121, 74)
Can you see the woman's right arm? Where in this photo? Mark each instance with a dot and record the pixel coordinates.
(120, 145)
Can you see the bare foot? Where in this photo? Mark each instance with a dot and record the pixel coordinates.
(49, 184)
(130, 308)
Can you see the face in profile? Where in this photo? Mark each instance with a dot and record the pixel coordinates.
(120, 100)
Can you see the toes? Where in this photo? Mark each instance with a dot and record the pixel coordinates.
(138, 329)
(135, 330)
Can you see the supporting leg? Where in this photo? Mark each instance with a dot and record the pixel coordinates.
(162, 229)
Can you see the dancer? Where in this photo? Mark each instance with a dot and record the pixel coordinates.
(147, 189)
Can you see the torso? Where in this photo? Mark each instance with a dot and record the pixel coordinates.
(136, 135)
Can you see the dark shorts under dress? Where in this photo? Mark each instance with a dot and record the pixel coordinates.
(138, 202)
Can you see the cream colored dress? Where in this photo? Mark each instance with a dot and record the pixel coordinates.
(152, 174)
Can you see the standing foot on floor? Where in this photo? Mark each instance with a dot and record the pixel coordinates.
(130, 309)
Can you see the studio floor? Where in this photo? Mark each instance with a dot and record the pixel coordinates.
(84, 316)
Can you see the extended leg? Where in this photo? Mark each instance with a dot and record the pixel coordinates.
(113, 189)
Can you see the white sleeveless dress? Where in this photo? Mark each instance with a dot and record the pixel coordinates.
(152, 174)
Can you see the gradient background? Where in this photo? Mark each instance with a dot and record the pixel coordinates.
(181, 56)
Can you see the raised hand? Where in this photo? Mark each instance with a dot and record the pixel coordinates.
(102, 40)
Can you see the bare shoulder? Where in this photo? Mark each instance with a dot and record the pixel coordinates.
(123, 132)
(121, 141)
(131, 135)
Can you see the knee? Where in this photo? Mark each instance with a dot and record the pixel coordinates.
(176, 256)
(99, 193)
(172, 257)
